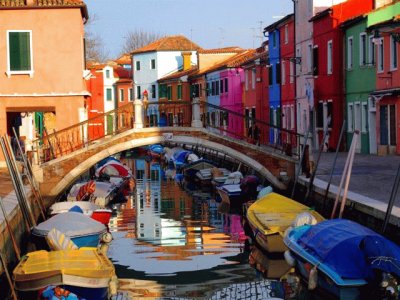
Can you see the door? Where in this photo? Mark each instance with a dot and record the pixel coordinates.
(372, 133)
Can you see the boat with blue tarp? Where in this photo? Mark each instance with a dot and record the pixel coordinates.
(351, 261)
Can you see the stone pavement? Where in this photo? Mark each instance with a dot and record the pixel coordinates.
(371, 181)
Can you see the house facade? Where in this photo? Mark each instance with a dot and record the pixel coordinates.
(37, 91)
(384, 23)
(360, 81)
(328, 68)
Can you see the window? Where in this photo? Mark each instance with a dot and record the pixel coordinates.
(286, 34)
(226, 85)
(364, 114)
(310, 58)
(291, 75)
(270, 75)
(153, 64)
(273, 39)
(329, 67)
(138, 66)
(19, 52)
(298, 66)
(130, 92)
(380, 55)
(363, 49)
(315, 69)
(162, 91)
(108, 94)
(350, 53)
(320, 114)
(221, 85)
(393, 53)
(138, 92)
(169, 92)
(246, 79)
(292, 116)
(278, 72)
(121, 95)
(212, 88)
(153, 91)
(179, 91)
(253, 78)
(283, 73)
(107, 73)
(217, 87)
(371, 51)
(350, 118)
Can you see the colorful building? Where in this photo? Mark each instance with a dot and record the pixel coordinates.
(360, 81)
(328, 68)
(37, 90)
(384, 24)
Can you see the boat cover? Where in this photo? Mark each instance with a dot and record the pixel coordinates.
(351, 249)
(180, 156)
(72, 224)
(156, 148)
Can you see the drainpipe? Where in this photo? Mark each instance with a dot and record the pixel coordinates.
(295, 67)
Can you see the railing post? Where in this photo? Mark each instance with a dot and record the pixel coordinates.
(196, 121)
(138, 114)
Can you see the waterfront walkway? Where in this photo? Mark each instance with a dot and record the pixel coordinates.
(371, 181)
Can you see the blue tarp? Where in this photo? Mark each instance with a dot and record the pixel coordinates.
(351, 249)
(156, 148)
(180, 156)
(106, 160)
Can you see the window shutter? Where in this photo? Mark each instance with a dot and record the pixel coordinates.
(20, 57)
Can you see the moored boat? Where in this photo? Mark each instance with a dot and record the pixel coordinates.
(346, 259)
(155, 151)
(82, 230)
(205, 176)
(190, 169)
(86, 272)
(272, 214)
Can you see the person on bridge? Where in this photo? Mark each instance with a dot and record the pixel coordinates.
(253, 134)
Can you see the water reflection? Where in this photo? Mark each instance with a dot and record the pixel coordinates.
(169, 243)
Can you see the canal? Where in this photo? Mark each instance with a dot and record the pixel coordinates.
(169, 242)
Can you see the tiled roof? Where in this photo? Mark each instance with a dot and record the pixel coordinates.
(45, 3)
(221, 50)
(179, 74)
(125, 59)
(169, 43)
(255, 56)
(120, 72)
(124, 80)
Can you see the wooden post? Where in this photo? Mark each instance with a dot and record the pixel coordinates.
(16, 249)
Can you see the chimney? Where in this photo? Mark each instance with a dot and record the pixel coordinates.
(186, 60)
(30, 2)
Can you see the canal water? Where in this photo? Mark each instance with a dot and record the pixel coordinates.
(169, 243)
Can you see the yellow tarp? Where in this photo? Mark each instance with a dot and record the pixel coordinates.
(274, 213)
(85, 262)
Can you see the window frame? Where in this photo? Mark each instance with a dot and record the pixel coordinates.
(130, 94)
(138, 92)
(19, 72)
(329, 61)
(350, 50)
(363, 49)
(394, 52)
(153, 64)
(121, 95)
(111, 94)
(137, 65)
(380, 62)
(371, 51)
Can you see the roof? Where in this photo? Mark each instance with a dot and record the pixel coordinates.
(179, 74)
(256, 55)
(124, 80)
(125, 59)
(221, 50)
(321, 14)
(232, 62)
(352, 21)
(121, 72)
(18, 4)
(169, 43)
(273, 26)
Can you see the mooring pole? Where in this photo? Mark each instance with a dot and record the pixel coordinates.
(391, 200)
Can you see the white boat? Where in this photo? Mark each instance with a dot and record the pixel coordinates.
(102, 195)
(205, 176)
(63, 207)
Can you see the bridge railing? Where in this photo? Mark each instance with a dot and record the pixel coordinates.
(65, 141)
(239, 126)
(167, 113)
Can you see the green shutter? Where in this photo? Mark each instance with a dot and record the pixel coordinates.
(20, 54)
(109, 94)
(179, 92)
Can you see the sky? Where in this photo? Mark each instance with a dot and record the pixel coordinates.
(208, 23)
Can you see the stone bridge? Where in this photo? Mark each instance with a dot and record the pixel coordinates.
(56, 175)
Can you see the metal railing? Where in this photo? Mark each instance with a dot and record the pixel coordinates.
(166, 113)
(239, 126)
(75, 137)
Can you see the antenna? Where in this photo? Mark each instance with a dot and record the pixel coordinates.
(221, 39)
(261, 32)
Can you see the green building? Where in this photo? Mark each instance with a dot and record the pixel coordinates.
(360, 81)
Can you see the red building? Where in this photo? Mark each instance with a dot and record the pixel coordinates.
(288, 85)
(255, 96)
(123, 86)
(327, 67)
(95, 102)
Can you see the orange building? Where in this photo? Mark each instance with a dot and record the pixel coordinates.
(42, 67)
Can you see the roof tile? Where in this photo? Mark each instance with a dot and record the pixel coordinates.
(169, 43)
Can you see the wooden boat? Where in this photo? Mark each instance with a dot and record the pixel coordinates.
(350, 260)
(271, 215)
(85, 272)
(205, 176)
(190, 170)
(82, 230)
(270, 267)
(104, 192)
(235, 195)
(89, 209)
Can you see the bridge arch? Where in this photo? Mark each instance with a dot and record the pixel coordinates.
(77, 170)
